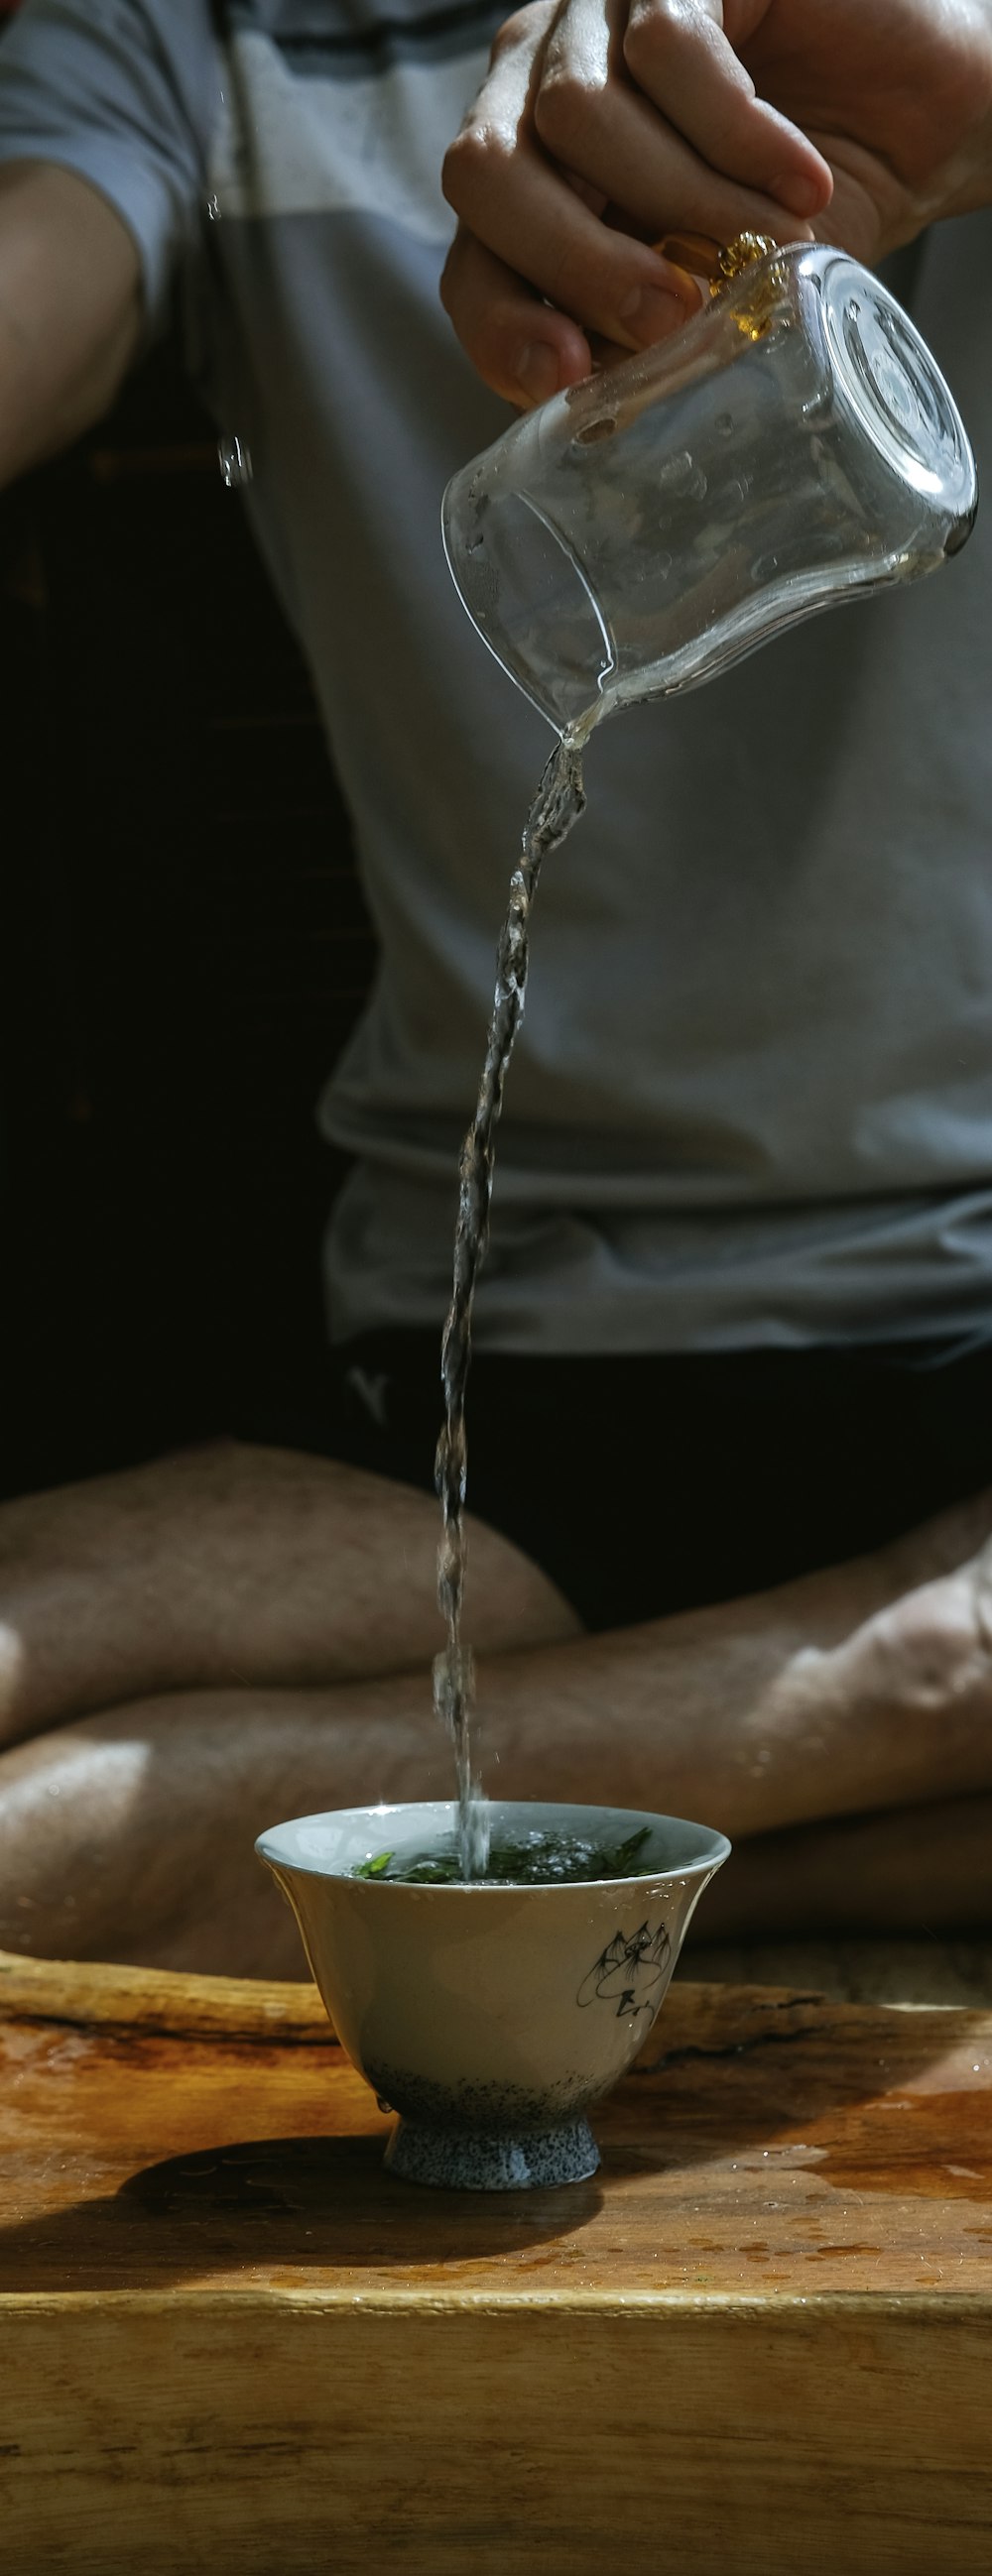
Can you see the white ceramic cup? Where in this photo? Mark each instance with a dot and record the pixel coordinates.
(491, 2016)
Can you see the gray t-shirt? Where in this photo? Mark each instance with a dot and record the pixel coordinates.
(752, 1100)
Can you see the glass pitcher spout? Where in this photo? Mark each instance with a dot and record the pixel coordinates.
(793, 447)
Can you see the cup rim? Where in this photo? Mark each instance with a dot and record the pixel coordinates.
(717, 1848)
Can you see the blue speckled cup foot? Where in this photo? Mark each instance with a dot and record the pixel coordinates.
(492, 2160)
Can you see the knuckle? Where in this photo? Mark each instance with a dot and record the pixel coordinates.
(466, 165)
(652, 35)
(564, 114)
(519, 29)
(641, 51)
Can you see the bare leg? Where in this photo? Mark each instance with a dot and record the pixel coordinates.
(914, 1871)
(230, 1565)
(866, 1688)
(129, 1835)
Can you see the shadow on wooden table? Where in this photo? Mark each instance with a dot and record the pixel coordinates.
(725, 2084)
(273, 2207)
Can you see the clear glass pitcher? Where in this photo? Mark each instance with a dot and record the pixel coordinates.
(795, 445)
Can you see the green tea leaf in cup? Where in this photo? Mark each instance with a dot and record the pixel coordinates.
(541, 1859)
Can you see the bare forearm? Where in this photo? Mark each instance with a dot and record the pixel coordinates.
(70, 310)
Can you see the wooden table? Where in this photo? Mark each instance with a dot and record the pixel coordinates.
(759, 2344)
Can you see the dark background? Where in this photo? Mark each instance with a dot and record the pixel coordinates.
(184, 947)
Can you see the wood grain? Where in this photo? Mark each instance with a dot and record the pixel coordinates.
(109, 1998)
(758, 2344)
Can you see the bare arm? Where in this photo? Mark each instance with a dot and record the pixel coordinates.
(70, 310)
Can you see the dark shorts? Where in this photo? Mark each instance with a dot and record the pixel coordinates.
(649, 1484)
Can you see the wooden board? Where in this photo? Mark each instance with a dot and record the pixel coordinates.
(758, 2344)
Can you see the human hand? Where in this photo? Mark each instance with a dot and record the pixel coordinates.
(604, 124)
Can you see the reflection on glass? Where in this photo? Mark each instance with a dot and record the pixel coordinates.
(795, 445)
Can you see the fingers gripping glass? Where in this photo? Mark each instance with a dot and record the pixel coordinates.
(794, 446)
